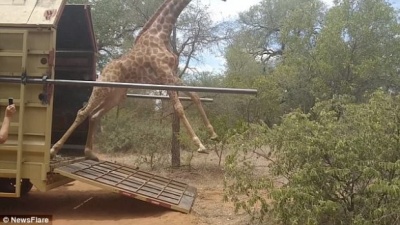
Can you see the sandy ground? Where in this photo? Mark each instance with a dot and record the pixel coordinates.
(82, 204)
(79, 203)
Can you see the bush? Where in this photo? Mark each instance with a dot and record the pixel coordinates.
(340, 164)
(126, 132)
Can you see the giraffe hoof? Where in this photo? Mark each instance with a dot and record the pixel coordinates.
(214, 137)
(202, 151)
(53, 153)
(89, 155)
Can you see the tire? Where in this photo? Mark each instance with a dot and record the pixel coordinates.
(7, 185)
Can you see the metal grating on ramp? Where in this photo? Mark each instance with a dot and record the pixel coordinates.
(133, 183)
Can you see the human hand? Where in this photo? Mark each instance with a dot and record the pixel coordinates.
(10, 110)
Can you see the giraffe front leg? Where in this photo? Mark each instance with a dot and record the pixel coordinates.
(54, 150)
(90, 155)
(80, 117)
(201, 148)
(181, 113)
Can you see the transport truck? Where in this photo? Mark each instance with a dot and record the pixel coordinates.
(49, 40)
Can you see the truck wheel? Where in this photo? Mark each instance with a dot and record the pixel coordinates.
(7, 185)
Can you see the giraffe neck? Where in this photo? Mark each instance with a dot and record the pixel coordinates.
(152, 19)
(164, 23)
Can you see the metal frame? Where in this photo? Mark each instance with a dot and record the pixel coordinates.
(27, 80)
(163, 97)
(25, 155)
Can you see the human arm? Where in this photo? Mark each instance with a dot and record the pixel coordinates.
(5, 126)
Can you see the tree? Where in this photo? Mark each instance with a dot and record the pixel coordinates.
(275, 27)
(193, 33)
(307, 52)
(273, 53)
(243, 71)
(356, 51)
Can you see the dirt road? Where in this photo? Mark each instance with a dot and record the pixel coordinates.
(81, 204)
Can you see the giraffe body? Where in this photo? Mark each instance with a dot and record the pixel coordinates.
(151, 61)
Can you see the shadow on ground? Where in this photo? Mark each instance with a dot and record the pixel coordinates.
(87, 204)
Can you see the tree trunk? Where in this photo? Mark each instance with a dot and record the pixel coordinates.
(175, 143)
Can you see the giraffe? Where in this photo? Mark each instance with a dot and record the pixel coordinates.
(151, 61)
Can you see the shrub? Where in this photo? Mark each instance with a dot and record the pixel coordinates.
(340, 164)
(127, 133)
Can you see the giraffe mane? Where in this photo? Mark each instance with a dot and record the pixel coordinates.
(153, 18)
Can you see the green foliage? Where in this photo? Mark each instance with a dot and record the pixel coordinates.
(355, 52)
(339, 164)
(245, 72)
(226, 128)
(295, 52)
(244, 185)
(127, 130)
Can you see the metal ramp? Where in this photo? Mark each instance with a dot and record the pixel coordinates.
(133, 183)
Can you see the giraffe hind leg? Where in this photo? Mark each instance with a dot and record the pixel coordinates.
(115, 97)
(90, 137)
(83, 113)
(180, 111)
(196, 99)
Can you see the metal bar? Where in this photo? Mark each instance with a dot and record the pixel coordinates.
(74, 51)
(126, 178)
(132, 85)
(144, 183)
(108, 172)
(166, 97)
(163, 189)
